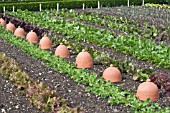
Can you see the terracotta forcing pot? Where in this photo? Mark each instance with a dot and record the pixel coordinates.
(2, 21)
(112, 73)
(10, 27)
(32, 37)
(19, 32)
(147, 90)
(84, 60)
(62, 51)
(45, 43)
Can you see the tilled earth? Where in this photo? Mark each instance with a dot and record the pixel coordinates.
(13, 102)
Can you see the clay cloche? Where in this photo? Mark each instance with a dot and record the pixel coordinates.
(84, 60)
(10, 27)
(2, 22)
(32, 37)
(112, 73)
(62, 51)
(147, 90)
(19, 32)
(45, 43)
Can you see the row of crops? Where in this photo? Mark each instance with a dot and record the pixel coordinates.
(98, 87)
(99, 34)
(143, 49)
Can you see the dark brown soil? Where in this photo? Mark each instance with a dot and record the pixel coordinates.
(13, 102)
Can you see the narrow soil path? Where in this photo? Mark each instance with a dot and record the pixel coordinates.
(11, 101)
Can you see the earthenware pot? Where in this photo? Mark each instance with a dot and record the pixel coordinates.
(147, 90)
(2, 22)
(45, 43)
(32, 37)
(84, 60)
(112, 73)
(62, 51)
(10, 27)
(19, 32)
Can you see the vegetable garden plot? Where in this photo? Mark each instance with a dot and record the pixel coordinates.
(143, 49)
(56, 80)
(82, 79)
(34, 52)
(114, 24)
(103, 57)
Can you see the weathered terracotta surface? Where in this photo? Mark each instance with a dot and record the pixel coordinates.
(45, 43)
(147, 90)
(2, 22)
(32, 37)
(10, 27)
(19, 32)
(112, 73)
(62, 51)
(84, 60)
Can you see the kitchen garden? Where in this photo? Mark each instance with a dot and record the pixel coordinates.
(135, 40)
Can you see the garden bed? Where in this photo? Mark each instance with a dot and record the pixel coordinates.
(63, 84)
(60, 80)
